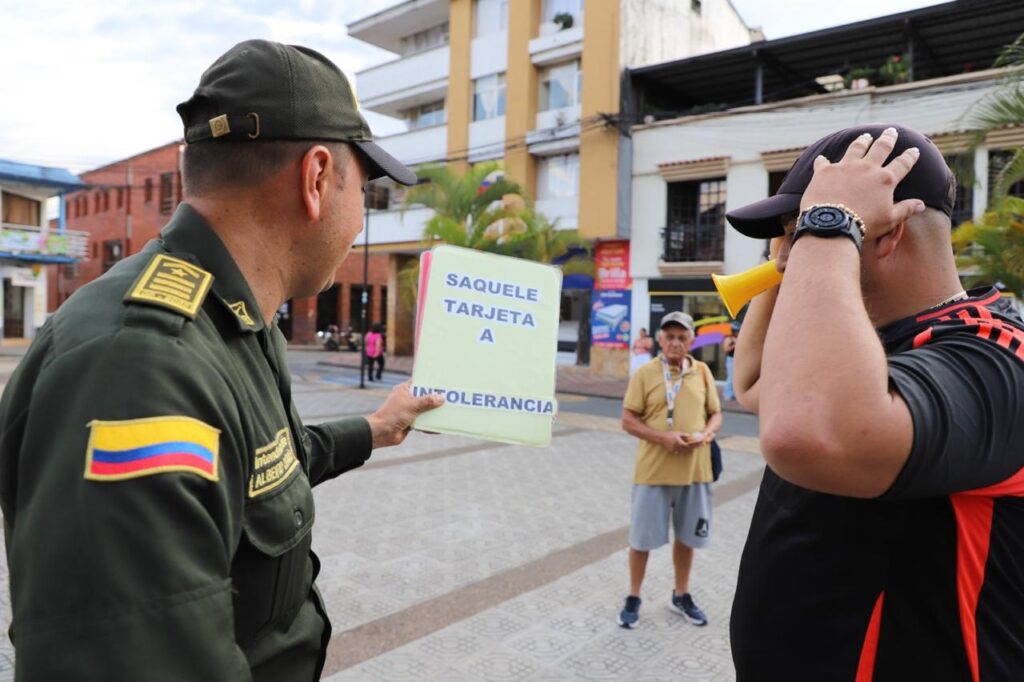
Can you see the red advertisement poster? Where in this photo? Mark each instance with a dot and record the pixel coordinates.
(611, 262)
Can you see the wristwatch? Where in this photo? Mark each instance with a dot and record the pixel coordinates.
(830, 220)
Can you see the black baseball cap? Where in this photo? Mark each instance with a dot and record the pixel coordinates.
(262, 90)
(930, 180)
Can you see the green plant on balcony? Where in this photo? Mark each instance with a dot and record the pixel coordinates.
(858, 77)
(564, 20)
(896, 69)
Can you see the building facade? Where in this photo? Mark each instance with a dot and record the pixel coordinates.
(125, 204)
(535, 85)
(689, 170)
(32, 248)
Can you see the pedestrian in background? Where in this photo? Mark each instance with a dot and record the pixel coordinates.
(155, 478)
(671, 406)
(375, 351)
(888, 532)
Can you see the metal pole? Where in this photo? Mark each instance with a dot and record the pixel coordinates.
(365, 297)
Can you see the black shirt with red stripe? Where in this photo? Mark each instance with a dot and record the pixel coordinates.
(927, 581)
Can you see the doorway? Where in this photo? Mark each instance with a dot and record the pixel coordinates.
(14, 311)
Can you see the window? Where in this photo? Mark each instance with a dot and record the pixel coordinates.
(166, 192)
(147, 192)
(120, 197)
(377, 196)
(106, 200)
(558, 177)
(553, 8)
(69, 270)
(97, 196)
(997, 161)
(85, 204)
(112, 252)
(963, 205)
(695, 229)
(427, 39)
(489, 97)
(559, 86)
(426, 115)
(19, 210)
(491, 16)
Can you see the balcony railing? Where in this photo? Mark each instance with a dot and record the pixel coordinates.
(25, 239)
(688, 243)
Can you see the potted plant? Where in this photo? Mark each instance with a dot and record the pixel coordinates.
(858, 77)
(564, 20)
(896, 69)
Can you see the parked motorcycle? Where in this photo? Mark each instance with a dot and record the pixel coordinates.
(330, 337)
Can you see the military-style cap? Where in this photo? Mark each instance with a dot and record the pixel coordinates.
(930, 180)
(682, 319)
(262, 90)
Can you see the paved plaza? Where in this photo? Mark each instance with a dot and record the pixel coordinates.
(449, 558)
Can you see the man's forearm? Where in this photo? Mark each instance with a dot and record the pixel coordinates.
(746, 368)
(824, 381)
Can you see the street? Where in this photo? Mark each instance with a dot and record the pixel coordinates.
(448, 558)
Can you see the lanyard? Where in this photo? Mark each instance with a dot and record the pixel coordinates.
(672, 389)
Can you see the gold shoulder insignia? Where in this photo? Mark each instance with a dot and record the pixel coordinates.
(172, 283)
(240, 311)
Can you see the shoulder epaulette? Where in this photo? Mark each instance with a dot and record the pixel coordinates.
(172, 283)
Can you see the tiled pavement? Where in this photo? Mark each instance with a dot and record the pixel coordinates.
(451, 559)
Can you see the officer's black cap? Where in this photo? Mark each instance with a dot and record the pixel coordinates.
(930, 180)
(262, 90)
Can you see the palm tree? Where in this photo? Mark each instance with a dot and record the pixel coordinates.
(467, 213)
(463, 205)
(992, 247)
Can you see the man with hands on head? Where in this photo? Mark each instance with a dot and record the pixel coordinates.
(888, 530)
(155, 477)
(672, 406)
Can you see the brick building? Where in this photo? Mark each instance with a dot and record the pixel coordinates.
(125, 204)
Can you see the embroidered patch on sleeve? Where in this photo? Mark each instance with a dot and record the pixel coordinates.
(155, 445)
(273, 464)
(172, 283)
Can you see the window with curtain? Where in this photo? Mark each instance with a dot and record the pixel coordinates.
(489, 97)
(558, 177)
(552, 8)
(490, 16)
(560, 86)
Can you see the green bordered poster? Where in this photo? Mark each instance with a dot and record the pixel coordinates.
(486, 337)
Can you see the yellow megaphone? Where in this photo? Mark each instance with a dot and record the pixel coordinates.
(736, 290)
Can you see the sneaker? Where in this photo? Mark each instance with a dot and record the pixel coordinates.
(630, 614)
(683, 604)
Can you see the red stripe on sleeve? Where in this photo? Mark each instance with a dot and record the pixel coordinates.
(973, 531)
(923, 338)
(866, 665)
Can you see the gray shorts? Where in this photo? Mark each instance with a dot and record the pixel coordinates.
(689, 506)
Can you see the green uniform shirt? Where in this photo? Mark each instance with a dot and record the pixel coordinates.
(155, 480)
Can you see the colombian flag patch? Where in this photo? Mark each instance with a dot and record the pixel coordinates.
(155, 445)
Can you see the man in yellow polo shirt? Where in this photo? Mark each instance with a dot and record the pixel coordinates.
(673, 477)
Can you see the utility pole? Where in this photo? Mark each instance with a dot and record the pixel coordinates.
(366, 293)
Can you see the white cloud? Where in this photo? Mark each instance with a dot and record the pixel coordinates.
(87, 82)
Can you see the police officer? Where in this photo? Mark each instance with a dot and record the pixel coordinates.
(155, 478)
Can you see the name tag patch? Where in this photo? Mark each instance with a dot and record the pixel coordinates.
(133, 448)
(273, 464)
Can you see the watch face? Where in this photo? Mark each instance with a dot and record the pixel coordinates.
(827, 217)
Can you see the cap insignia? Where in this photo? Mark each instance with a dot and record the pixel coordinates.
(219, 126)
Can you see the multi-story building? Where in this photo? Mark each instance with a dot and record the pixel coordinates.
(723, 128)
(534, 84)
(125, 204)
(30, 244)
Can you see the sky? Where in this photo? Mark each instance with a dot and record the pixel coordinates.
(88, 82)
